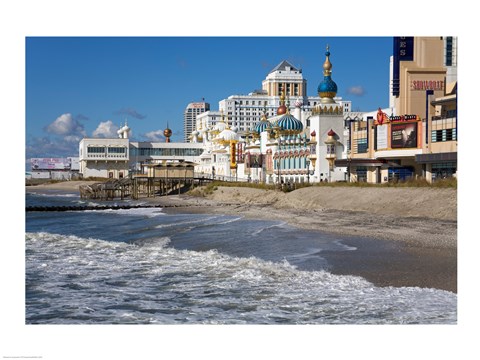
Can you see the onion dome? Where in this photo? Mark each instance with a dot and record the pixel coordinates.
(289, 124)
(327, 89)
(298, 103)
(220, 126)
(263, 125)
(313, 134)
(331, 133)
(227, 135)
(282, 109)
(167, 133)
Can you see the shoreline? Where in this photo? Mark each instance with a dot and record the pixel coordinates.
(391, 249)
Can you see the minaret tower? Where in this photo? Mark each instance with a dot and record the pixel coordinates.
(327, 89)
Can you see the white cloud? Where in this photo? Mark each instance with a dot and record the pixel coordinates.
(106, 129)
(46, 147)
(356, 90)
(66, 125)
(156, 135)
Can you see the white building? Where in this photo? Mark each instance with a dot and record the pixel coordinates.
(289, 146)
(190, 115)
(245, 111)
(117, 157)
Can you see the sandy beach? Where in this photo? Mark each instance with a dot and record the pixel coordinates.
(403, 236)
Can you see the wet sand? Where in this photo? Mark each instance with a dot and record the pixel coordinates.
(391, 250)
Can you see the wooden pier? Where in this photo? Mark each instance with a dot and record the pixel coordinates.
(163, 179)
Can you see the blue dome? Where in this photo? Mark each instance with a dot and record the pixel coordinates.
(289, 123)
(262, 126)
(327, 85)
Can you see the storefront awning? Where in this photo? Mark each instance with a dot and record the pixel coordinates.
(358, 162)
(435, 158)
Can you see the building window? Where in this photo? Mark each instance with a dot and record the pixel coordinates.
(362, 146)
(400, 173)
(361, 173)
(443, 170)
(448, 51)
(451, 113)
(444, 135)
(117, 150)
(96, 150)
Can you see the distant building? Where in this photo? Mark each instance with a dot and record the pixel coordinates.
(245, 111)
(117, 157)
(291, 146)
(190, 116)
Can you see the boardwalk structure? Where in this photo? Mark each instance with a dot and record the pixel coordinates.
(155, 179)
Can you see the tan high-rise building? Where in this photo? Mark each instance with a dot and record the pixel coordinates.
(419, 138)
(418, 66)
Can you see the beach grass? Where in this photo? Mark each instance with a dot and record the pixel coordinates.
(414, 183)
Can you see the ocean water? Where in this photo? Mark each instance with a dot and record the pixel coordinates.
(142, 266)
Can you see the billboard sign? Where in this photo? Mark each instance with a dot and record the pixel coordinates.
(51, 163)
(382, 137)
(404, 135)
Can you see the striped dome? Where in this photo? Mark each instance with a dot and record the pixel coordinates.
(263, 125)
(288, 123)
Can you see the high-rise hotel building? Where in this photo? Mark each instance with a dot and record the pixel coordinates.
(190, 116)
(245, 111)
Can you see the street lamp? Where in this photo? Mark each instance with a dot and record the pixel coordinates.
(308, 171)
(278, 171)
(349, 159)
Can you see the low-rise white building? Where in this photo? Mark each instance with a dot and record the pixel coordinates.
(117, 157)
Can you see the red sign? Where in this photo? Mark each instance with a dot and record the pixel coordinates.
(426, 85)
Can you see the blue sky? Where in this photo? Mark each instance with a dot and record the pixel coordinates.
(88, 86)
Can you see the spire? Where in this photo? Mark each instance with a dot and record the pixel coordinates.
(327, 89)
(327, 65)
(282, 109)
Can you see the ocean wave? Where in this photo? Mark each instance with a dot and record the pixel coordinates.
(147, 212)
(184, 286)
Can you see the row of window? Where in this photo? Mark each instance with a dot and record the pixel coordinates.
(164, 152)
(444, 135)
(110, 150)
(443, 170)
(362, 146)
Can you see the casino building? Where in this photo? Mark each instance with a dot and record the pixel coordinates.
(245, 111)
(292, 146)
(419, 138)
(416, 137)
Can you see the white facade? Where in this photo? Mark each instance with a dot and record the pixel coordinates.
(108, 158)
(244, 111)
(190, 115)
(115, 158)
